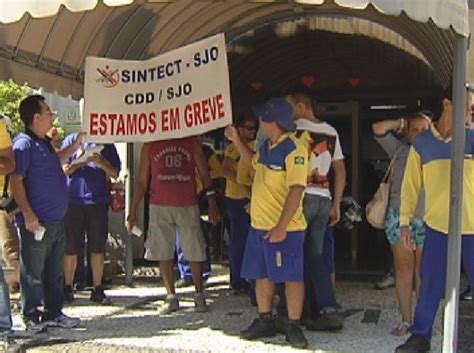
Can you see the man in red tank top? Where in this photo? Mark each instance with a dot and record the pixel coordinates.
(169, 168)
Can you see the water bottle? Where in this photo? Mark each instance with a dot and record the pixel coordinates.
(137, 231)
(39, 233)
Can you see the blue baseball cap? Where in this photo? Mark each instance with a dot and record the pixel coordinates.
(276, 110)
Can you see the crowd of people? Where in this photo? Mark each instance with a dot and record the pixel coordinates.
(279, 199)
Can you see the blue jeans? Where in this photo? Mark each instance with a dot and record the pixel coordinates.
(5, 314)
(42, 274)
(319, 294)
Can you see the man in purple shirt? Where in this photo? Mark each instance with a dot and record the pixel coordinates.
(88, 212)
(40, 190)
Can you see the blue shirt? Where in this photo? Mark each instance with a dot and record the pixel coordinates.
(89, 185)
(43, 177)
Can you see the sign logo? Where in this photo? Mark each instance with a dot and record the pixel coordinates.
(108, 78)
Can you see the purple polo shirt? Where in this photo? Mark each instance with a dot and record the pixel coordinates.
(89, 185)
(43, 177)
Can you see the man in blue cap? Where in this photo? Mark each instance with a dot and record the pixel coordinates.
(274, 249)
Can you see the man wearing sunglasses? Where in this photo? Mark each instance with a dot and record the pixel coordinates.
(237, 196)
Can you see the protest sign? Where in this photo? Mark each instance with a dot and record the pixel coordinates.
(181, 93)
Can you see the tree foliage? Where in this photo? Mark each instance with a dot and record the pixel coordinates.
(11, 94)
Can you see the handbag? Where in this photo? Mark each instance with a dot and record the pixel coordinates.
(376, 208)
(117, 197)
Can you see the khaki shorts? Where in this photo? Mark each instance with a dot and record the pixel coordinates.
(165, 221)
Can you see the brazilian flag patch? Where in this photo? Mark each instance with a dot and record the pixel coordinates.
(299, 160)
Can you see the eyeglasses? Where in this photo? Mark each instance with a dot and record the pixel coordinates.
(250, 128)
(48, 111)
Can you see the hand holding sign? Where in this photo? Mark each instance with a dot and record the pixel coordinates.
(87, 152)
(231, 133)
(97, 159)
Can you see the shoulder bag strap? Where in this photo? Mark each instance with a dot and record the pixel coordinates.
(5, 186)
(390, 166)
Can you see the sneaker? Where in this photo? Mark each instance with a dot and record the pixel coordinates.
(242, 289)
(325, 322)
(281, 323)
(415, 344)
(386, 282)
(183, 282)
(63, 321)
(79, 286)
(9, 345)
(259, 328)
(68, 294)
(466, 296)
(34, 326)
(200, 303)
(170, 305)
(295, 336)
(98, 296)
(239, 291)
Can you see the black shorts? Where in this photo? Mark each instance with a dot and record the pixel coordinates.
(90, 219)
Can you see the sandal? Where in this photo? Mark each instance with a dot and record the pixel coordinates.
(401, 329)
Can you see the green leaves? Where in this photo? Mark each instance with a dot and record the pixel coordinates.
(11, 95)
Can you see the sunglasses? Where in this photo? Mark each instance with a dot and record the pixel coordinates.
(250, 128)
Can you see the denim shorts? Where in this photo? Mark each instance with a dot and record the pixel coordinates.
(278, 262)
(90, 219)
(392, 228)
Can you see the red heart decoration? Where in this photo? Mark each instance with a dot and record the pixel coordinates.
(257, 85)
(353, 81)
(308, 80)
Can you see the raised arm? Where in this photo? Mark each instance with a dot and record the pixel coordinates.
(384, 126)
(246, 153)
(65, 153)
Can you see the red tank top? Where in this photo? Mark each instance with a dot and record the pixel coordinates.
(173, 181)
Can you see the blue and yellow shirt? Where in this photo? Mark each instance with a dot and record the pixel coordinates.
(429, 165)
(235, 190)
(277, 167)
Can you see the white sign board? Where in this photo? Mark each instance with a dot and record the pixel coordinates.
(181, 93)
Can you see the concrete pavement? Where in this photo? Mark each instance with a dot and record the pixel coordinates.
(131, 324)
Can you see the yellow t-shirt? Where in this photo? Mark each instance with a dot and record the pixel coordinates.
(5, 142)
(243, 169)
(277, 168)
(214, 170)
(235, 190)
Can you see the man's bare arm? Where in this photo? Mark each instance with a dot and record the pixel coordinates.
(19, 194)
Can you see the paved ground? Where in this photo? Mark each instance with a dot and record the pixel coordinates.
(131, 324)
